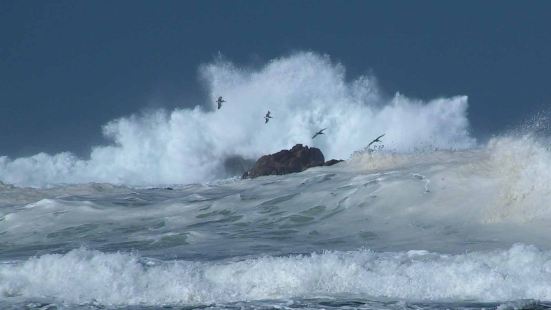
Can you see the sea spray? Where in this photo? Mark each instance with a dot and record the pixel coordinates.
(85, 276)
(305, 92)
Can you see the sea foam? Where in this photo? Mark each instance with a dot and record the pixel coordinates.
(82, 276)
(305, 92)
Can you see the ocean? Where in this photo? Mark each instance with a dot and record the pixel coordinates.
(440, 229)
(157, 217)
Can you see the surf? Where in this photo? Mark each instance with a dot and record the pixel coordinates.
(305, 91)
(520, 272)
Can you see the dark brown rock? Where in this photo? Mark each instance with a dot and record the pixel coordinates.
(297, 159)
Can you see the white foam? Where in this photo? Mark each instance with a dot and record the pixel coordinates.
(521, 166)
(304, 92)
(508, 179)
(80, 276)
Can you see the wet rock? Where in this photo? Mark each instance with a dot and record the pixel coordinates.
(297, 159)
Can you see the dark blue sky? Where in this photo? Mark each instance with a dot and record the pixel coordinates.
(67, 67)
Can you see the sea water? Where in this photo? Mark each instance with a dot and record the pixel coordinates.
(155, 217)
(467, 229)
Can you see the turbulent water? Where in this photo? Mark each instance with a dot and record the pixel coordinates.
(304, 92)
(432, 220)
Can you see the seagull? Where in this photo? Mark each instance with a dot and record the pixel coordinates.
(267, 117)
(376, 140)
(219, 101)
(318, 133)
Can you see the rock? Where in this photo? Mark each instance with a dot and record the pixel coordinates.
(332, 162)
(297, 159)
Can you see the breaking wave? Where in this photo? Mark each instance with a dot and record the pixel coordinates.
(304, 92)
(82, 276)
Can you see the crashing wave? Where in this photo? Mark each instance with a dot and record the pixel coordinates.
(304, 92)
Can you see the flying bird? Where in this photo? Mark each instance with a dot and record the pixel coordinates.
(376, 140)
(267, 117)
(219, 101)
(318, 133)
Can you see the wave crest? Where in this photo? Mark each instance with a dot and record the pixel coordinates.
(304, 92)
(82, 276)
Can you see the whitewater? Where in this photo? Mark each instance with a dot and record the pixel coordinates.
(159, 217)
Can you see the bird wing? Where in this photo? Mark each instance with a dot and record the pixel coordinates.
(376, 140)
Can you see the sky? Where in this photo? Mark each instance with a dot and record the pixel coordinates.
(68, 67)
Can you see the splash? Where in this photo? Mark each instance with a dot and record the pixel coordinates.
(84, 276)
(304, 92)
